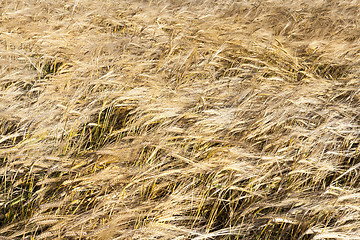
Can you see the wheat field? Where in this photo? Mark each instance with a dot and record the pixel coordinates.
(172, 119)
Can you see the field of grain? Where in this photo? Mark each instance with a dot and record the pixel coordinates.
(172, 119)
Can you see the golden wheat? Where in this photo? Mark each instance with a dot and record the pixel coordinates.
(179, 119)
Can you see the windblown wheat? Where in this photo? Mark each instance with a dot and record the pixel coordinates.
(179, 119)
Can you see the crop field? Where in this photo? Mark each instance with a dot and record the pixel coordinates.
(171, 119)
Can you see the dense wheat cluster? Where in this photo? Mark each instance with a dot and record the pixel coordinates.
(172, 119)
